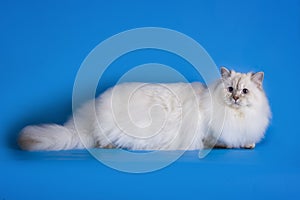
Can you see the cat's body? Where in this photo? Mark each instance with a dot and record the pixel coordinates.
(177, 116)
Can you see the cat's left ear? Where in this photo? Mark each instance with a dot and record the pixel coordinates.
(225, 73)
(258, 78)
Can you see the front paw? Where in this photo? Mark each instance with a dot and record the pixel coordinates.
(249, 146)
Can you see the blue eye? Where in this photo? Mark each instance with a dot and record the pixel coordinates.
(245, 90)
(230, 89)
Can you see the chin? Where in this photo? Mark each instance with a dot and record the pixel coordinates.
(233, 105)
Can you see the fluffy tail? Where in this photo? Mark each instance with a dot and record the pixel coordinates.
(49, 137)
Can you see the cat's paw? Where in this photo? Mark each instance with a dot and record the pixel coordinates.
(249, 146)
(108, 146)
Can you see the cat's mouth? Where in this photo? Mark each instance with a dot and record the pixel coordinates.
(239, 104)
(235, 104)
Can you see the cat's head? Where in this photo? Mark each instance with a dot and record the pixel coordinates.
(241, 90)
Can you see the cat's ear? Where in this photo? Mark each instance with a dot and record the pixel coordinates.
(225, 72)
(258, 78)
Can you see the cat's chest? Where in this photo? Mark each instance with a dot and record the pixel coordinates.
(237, 117)
(240, 122)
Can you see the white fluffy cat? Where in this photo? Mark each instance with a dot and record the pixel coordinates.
(232, 112)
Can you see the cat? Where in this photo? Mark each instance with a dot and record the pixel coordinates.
(232, 112)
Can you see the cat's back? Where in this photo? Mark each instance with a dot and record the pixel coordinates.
(138, 92)
(147, 110)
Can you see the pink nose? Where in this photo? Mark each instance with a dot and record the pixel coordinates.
(235, 98)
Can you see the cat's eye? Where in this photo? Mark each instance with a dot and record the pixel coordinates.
(245, 90)
(230, 89)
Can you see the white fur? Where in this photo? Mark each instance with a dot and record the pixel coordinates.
(177, 116)
(241, 124)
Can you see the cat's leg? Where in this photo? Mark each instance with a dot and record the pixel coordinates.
(221, 145)
(108, 146)
(249, 146)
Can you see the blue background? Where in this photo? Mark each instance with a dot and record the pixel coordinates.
(42, 45)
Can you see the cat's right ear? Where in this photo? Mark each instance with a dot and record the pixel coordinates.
(258, 78)
(225, 72)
